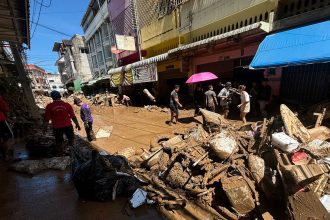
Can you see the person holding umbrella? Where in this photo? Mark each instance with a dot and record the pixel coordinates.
(198, 98)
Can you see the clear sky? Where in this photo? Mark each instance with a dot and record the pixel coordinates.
(62, 15)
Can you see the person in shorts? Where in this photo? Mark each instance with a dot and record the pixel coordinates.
(245, 103)
(174, 105)
(224, 97)
(210, 99)
(60, 113)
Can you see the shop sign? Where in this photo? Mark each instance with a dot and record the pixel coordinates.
(125, 42)
(147, 73)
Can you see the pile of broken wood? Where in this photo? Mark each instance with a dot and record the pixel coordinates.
(226, 170)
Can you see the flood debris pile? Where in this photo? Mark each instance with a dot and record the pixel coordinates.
(42, 101)
(101, 177)
(225, 170)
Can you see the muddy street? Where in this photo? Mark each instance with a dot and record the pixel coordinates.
(135, 126)
(51, 195)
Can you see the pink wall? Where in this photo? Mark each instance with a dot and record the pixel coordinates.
(231, 54)
(274, 80)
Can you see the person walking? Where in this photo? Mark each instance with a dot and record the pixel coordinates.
(245, 103)
(60, 113)
(254, 101)
(174, 105)
(198, 98)
(264, 94)
(86, 117)
(210, 99)
(224, 97)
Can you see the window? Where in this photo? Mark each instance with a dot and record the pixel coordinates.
(94, 61)
(83, 50)
(266, 16)
(260, 17)
(245, 22)
(250, 21)
(241, 24)
(255, 19)
(164, 7)
(91, 45)
(100, 58)
(54, 87)
(105, 31)
(97, 39)
(51, 81)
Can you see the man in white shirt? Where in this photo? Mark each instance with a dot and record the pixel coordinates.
(224, 96)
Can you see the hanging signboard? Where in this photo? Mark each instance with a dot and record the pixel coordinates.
(147, 73)
(125, 42)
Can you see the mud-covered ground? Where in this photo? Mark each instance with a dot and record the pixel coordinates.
(134, 127)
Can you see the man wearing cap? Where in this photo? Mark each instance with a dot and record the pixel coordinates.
(86, 117)
(60, 113)
(224, 96)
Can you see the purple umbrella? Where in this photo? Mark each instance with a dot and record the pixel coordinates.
(200, 77)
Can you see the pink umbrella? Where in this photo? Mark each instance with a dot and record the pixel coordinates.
(200, 77)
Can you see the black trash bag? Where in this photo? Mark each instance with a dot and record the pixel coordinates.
(95, 179)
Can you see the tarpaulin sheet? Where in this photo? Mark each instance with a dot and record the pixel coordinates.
(304, 45)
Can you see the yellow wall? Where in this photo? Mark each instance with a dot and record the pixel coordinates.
(159, 31)
(205, 28)
(209, 18)
(162, 67)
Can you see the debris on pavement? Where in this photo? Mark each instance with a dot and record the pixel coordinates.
(231, 170)
(36, 166)
(104, 132)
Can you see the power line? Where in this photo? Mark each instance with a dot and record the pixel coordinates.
(46, 6)
(36, 24)
(49, 28)
(62, 12)
(34, 7)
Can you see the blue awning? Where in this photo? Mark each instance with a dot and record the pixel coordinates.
(304, 45)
